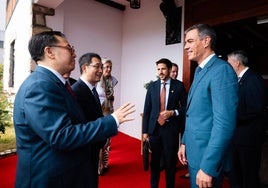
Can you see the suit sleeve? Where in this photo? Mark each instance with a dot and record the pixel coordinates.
(223, 91)
(53, 116)
(147, 110)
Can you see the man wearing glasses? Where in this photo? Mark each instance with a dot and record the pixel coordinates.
(51, 132)
(87, 97)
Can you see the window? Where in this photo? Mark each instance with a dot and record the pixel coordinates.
(11, 64)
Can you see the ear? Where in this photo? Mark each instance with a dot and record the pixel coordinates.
(49, 52)
(237, 63)
(206, 40)
(84, 67)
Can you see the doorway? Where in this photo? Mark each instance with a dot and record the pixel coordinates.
(245, 35)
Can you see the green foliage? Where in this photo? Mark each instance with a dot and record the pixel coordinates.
(146, 85)
(5, 106)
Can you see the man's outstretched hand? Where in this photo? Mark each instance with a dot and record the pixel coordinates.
(123, 111)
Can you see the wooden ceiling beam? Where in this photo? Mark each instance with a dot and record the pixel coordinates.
(112, 4)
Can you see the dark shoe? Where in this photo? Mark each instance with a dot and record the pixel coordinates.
(185, 176)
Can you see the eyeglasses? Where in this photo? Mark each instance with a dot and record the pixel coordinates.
(68, 47)
(97, 66)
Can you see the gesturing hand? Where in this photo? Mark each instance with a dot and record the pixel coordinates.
(123, 111)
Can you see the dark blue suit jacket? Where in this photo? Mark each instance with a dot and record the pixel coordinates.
(92, 110)
(176, 101)
(250, 130)
(52, 141)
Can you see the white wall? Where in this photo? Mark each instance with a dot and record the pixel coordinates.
(143, 45)
(19, 29)
(2, 26)
(134, 39)
(91, 26)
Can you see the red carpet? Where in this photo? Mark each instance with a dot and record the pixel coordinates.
(7, 171)
(125, 167)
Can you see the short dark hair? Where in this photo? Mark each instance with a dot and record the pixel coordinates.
(240, 55)
(86, 59)
(175, 65)
(165, 61)
(203, 31)
(39, 41)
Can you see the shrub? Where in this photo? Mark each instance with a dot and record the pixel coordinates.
(5, 106)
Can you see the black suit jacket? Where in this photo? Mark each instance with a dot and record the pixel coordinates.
(177, 100)
(250, 110)
(72, 80)
(85, 98)
(92, 111)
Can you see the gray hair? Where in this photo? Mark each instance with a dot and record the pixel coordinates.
(205, 30)
(239, 55)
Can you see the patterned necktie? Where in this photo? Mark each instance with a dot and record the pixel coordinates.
(160, 120)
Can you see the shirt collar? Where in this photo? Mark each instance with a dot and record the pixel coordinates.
(167, 82)
(59, 76)
(89, 85)
(203, 63)
(242, 72)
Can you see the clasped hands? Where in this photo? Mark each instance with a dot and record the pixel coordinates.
(166, 114)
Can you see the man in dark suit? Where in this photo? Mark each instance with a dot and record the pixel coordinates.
(250, 129)
(210, 111)
(162, 127)
(85, 91)
(52, 140)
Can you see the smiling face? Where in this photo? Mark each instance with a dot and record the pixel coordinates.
(92, 72)
(195, 47)
(107, 69)
(163, 71)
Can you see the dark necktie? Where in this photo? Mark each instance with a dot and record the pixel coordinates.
(161, 121)
(69, 89)
(96, 95)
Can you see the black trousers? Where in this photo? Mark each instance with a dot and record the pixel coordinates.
(246, 167)
(164, 145)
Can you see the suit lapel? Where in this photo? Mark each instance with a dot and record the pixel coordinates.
(89, 93)
(172, 89)
(157, 93)
(77, 112)
(198, 78)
